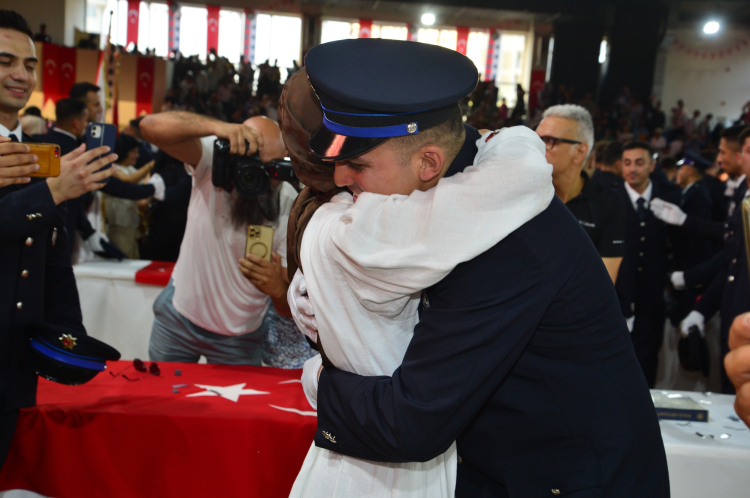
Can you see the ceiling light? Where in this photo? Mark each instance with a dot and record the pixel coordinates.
(428, 19)
(711, 27)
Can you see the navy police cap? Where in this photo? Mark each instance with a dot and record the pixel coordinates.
(373, 89)
(65, 355)
(696, 160)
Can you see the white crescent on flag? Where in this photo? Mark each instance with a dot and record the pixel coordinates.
(132, 16)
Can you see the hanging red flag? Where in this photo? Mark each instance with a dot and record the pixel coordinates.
(462, 39)
(134, 7)
(51, 72)
(212, 40)
(144, 90)
(411, 32)
(66, 60)
(365, 28)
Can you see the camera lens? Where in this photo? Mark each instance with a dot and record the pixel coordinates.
(251, 181)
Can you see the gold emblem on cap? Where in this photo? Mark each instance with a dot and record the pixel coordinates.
(411, 127)
(68, 341)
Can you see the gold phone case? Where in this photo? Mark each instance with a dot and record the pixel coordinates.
(259, 241)
(49, 159)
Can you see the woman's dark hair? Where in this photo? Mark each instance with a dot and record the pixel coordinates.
(123, 145)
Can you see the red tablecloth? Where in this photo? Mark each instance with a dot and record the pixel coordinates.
(116, 438)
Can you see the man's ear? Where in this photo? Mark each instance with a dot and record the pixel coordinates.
(581, 151)
(431, 160)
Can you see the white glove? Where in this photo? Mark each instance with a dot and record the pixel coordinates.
(310, 379)
(302, 310)
(694, 318)
(160, 189)
(95, 241)
(629, 322)
(678, 280)
(668, 212)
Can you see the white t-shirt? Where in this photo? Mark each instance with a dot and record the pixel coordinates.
(209, 290)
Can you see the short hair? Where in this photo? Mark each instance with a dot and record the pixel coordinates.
(10, 19)
(599, 150)
(580, 115)
(136, 123)
(612, 153)
(448, 135)
(32, 111)
(732, 134)
(124, 144)
(80, 90)
(639, 144)
(744, 135)
(68, 109)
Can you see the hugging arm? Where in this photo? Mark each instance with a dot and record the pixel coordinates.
(465, 344)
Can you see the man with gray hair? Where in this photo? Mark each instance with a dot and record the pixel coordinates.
(568, 133)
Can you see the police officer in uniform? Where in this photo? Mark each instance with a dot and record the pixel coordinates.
(644, 270)
(729, 291)
(36, 279)
(522, 354)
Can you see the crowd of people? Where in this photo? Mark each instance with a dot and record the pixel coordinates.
(469, 335)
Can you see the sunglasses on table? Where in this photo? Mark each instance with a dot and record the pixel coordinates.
(550, 142)
(140, 366)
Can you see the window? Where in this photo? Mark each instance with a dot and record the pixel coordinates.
(476, 50)
(278, 38)
(332, 30)
(193, 31)
(231, 34)
(153, 23)
(510, 67)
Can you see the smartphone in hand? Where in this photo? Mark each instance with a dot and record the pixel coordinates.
(99, 134)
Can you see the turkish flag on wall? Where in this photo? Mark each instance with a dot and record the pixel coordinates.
(144, 89)
(365, 28)
(59, 71)
(134, 8)
(462, 39)
(51, 72)
(212, 40)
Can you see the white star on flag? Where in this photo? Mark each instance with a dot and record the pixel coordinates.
(231, 393)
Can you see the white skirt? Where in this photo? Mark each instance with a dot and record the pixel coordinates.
(326, 474)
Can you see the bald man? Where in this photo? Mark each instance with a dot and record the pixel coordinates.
(217, 303)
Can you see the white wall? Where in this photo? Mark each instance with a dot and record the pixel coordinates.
(720, 86)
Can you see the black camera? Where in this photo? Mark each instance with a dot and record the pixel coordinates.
(247, 174)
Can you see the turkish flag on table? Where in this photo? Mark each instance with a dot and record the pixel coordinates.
(134, 13)
(212, 39)
(214, 430)
(365, 28)
(156, 273)
(144, 89)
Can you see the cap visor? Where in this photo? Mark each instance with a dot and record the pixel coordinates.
(329, 146)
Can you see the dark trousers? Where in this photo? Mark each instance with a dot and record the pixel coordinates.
(647, 336)
(7, 428)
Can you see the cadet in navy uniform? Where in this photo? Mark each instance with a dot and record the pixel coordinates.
(522, 354)
(70, 127)
(644, 271)
(729, 291)
(36, 279)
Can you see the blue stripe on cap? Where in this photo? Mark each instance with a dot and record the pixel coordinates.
(370, 132)
(76, 361)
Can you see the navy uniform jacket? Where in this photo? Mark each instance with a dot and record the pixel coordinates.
(36, 282)
(689, 250)
(76, 219)
(644, 270)
(729, 291)
(521, 355)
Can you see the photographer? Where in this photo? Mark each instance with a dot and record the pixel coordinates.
(212, 307)
(36, 279)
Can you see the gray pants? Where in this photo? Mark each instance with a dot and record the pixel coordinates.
(175, 338)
